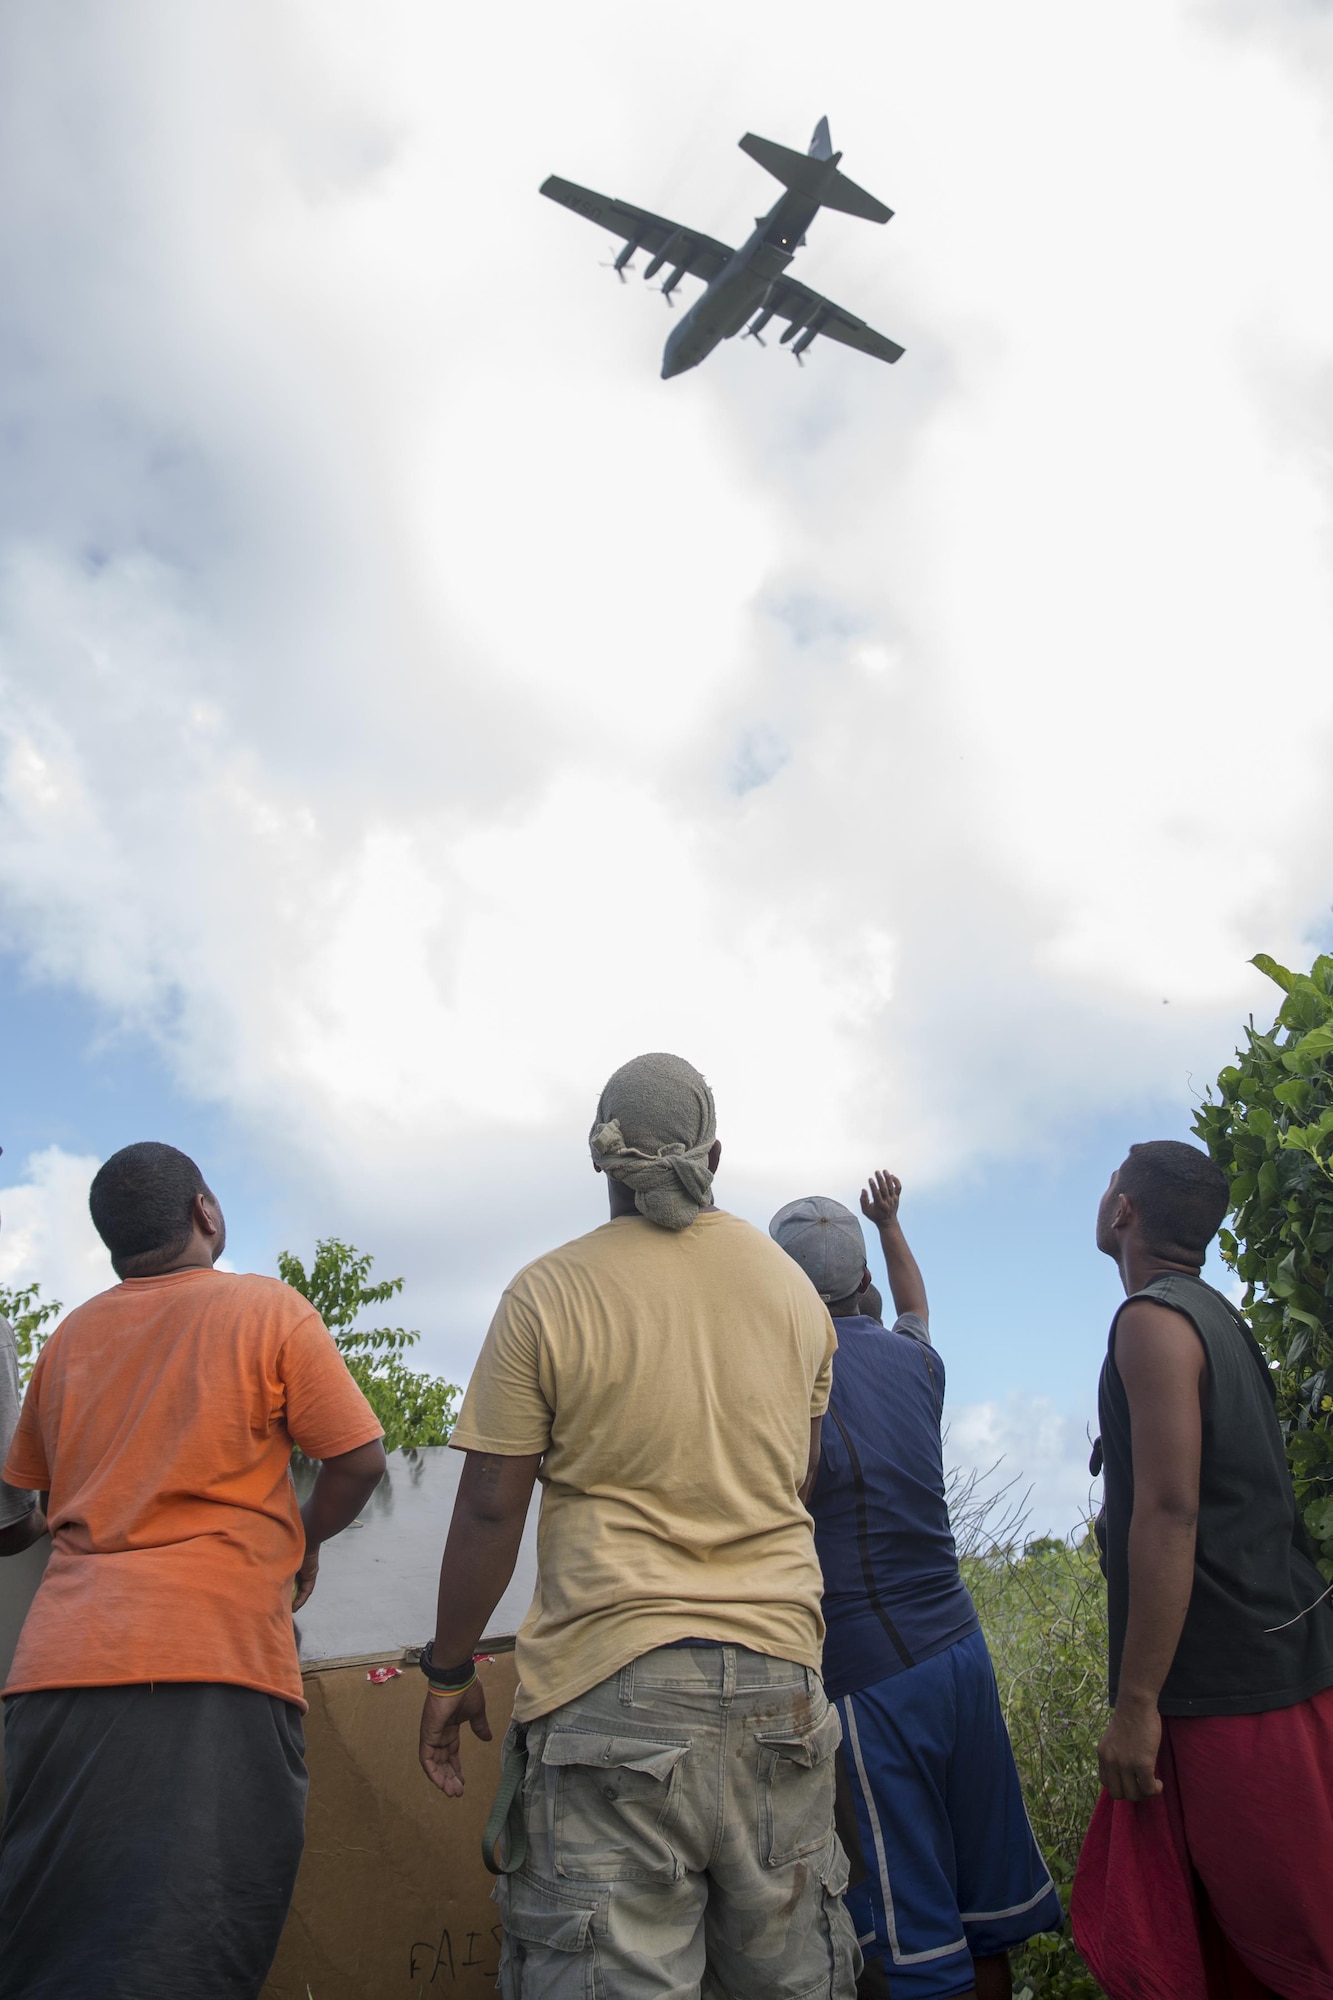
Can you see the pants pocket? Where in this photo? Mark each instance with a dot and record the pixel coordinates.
(549, 1950)
(614, 1801)
(796, 1788)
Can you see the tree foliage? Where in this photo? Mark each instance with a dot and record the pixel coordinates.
(414, 1409)
(30, 1315)
(1042, 1605)
(1270, 1128)
(1043, 1609)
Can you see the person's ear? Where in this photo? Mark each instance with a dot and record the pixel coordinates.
(714, 1155)
(205, 1214)
(1123, 1213)
(864, 1285)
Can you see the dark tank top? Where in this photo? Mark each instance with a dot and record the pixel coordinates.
(1257, 1635)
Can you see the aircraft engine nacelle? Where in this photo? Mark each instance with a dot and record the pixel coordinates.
(664, 255)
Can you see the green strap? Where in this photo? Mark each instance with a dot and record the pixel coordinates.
(507, 1812)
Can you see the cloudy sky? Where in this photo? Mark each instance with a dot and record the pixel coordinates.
(411, 706)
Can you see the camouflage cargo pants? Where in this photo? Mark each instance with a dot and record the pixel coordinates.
(680, 1839)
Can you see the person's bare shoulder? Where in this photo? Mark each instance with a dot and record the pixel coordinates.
(1142, 1320)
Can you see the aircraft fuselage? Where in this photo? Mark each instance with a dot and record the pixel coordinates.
(741, 287)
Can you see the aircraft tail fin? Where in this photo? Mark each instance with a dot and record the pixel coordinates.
(815, 174)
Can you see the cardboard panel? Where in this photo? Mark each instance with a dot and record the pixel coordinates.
(393, 1900)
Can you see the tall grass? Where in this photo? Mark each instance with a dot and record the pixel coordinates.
(1042, 1605)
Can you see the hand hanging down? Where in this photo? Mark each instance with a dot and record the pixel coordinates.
(442, 1718)
(487, 1526)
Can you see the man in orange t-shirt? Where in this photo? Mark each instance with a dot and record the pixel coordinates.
(154, 1754)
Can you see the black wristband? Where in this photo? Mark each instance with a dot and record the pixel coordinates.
(446, 1678)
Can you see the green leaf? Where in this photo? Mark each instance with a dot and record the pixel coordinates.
(1300, 1345)
(1305, 1006)
(1272, 970)
(1310, 1050)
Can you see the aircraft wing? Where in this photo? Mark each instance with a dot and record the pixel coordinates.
(809, 315)
(702, 256)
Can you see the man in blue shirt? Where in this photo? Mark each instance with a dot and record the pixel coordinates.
(953, 1878)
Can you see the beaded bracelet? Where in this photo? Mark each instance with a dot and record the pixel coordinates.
(451, 1694)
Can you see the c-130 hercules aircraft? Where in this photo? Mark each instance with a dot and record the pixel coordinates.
(752, 279)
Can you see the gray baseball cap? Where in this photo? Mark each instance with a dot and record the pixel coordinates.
(825, 1239)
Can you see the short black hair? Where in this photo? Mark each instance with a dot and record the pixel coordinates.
(141, 1200)
(1181, 1195)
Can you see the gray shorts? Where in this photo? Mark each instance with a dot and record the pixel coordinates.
(680, 1839)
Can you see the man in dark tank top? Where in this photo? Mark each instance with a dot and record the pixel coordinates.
(1205, 1873)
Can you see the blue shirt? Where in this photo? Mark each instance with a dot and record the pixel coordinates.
(893, 1595)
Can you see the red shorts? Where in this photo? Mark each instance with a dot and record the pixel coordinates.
(1221, 1888)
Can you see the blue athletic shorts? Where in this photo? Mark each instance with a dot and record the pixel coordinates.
(951, 1866)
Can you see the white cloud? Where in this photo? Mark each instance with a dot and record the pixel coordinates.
(47, 1235)
(410, 706)
(1028, 1455)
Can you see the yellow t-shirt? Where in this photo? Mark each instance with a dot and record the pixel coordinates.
(670, 1378)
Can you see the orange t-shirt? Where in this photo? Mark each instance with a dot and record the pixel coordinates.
(160, 1418)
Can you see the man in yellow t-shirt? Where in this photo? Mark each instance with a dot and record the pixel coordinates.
(665, 1377)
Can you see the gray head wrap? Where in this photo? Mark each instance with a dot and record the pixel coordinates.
(655, 1125)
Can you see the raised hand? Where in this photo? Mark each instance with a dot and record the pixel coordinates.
(879, 1201)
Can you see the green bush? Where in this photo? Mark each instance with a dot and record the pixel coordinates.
(1043, 1609)
(1270, 1128)
(413, 1409)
